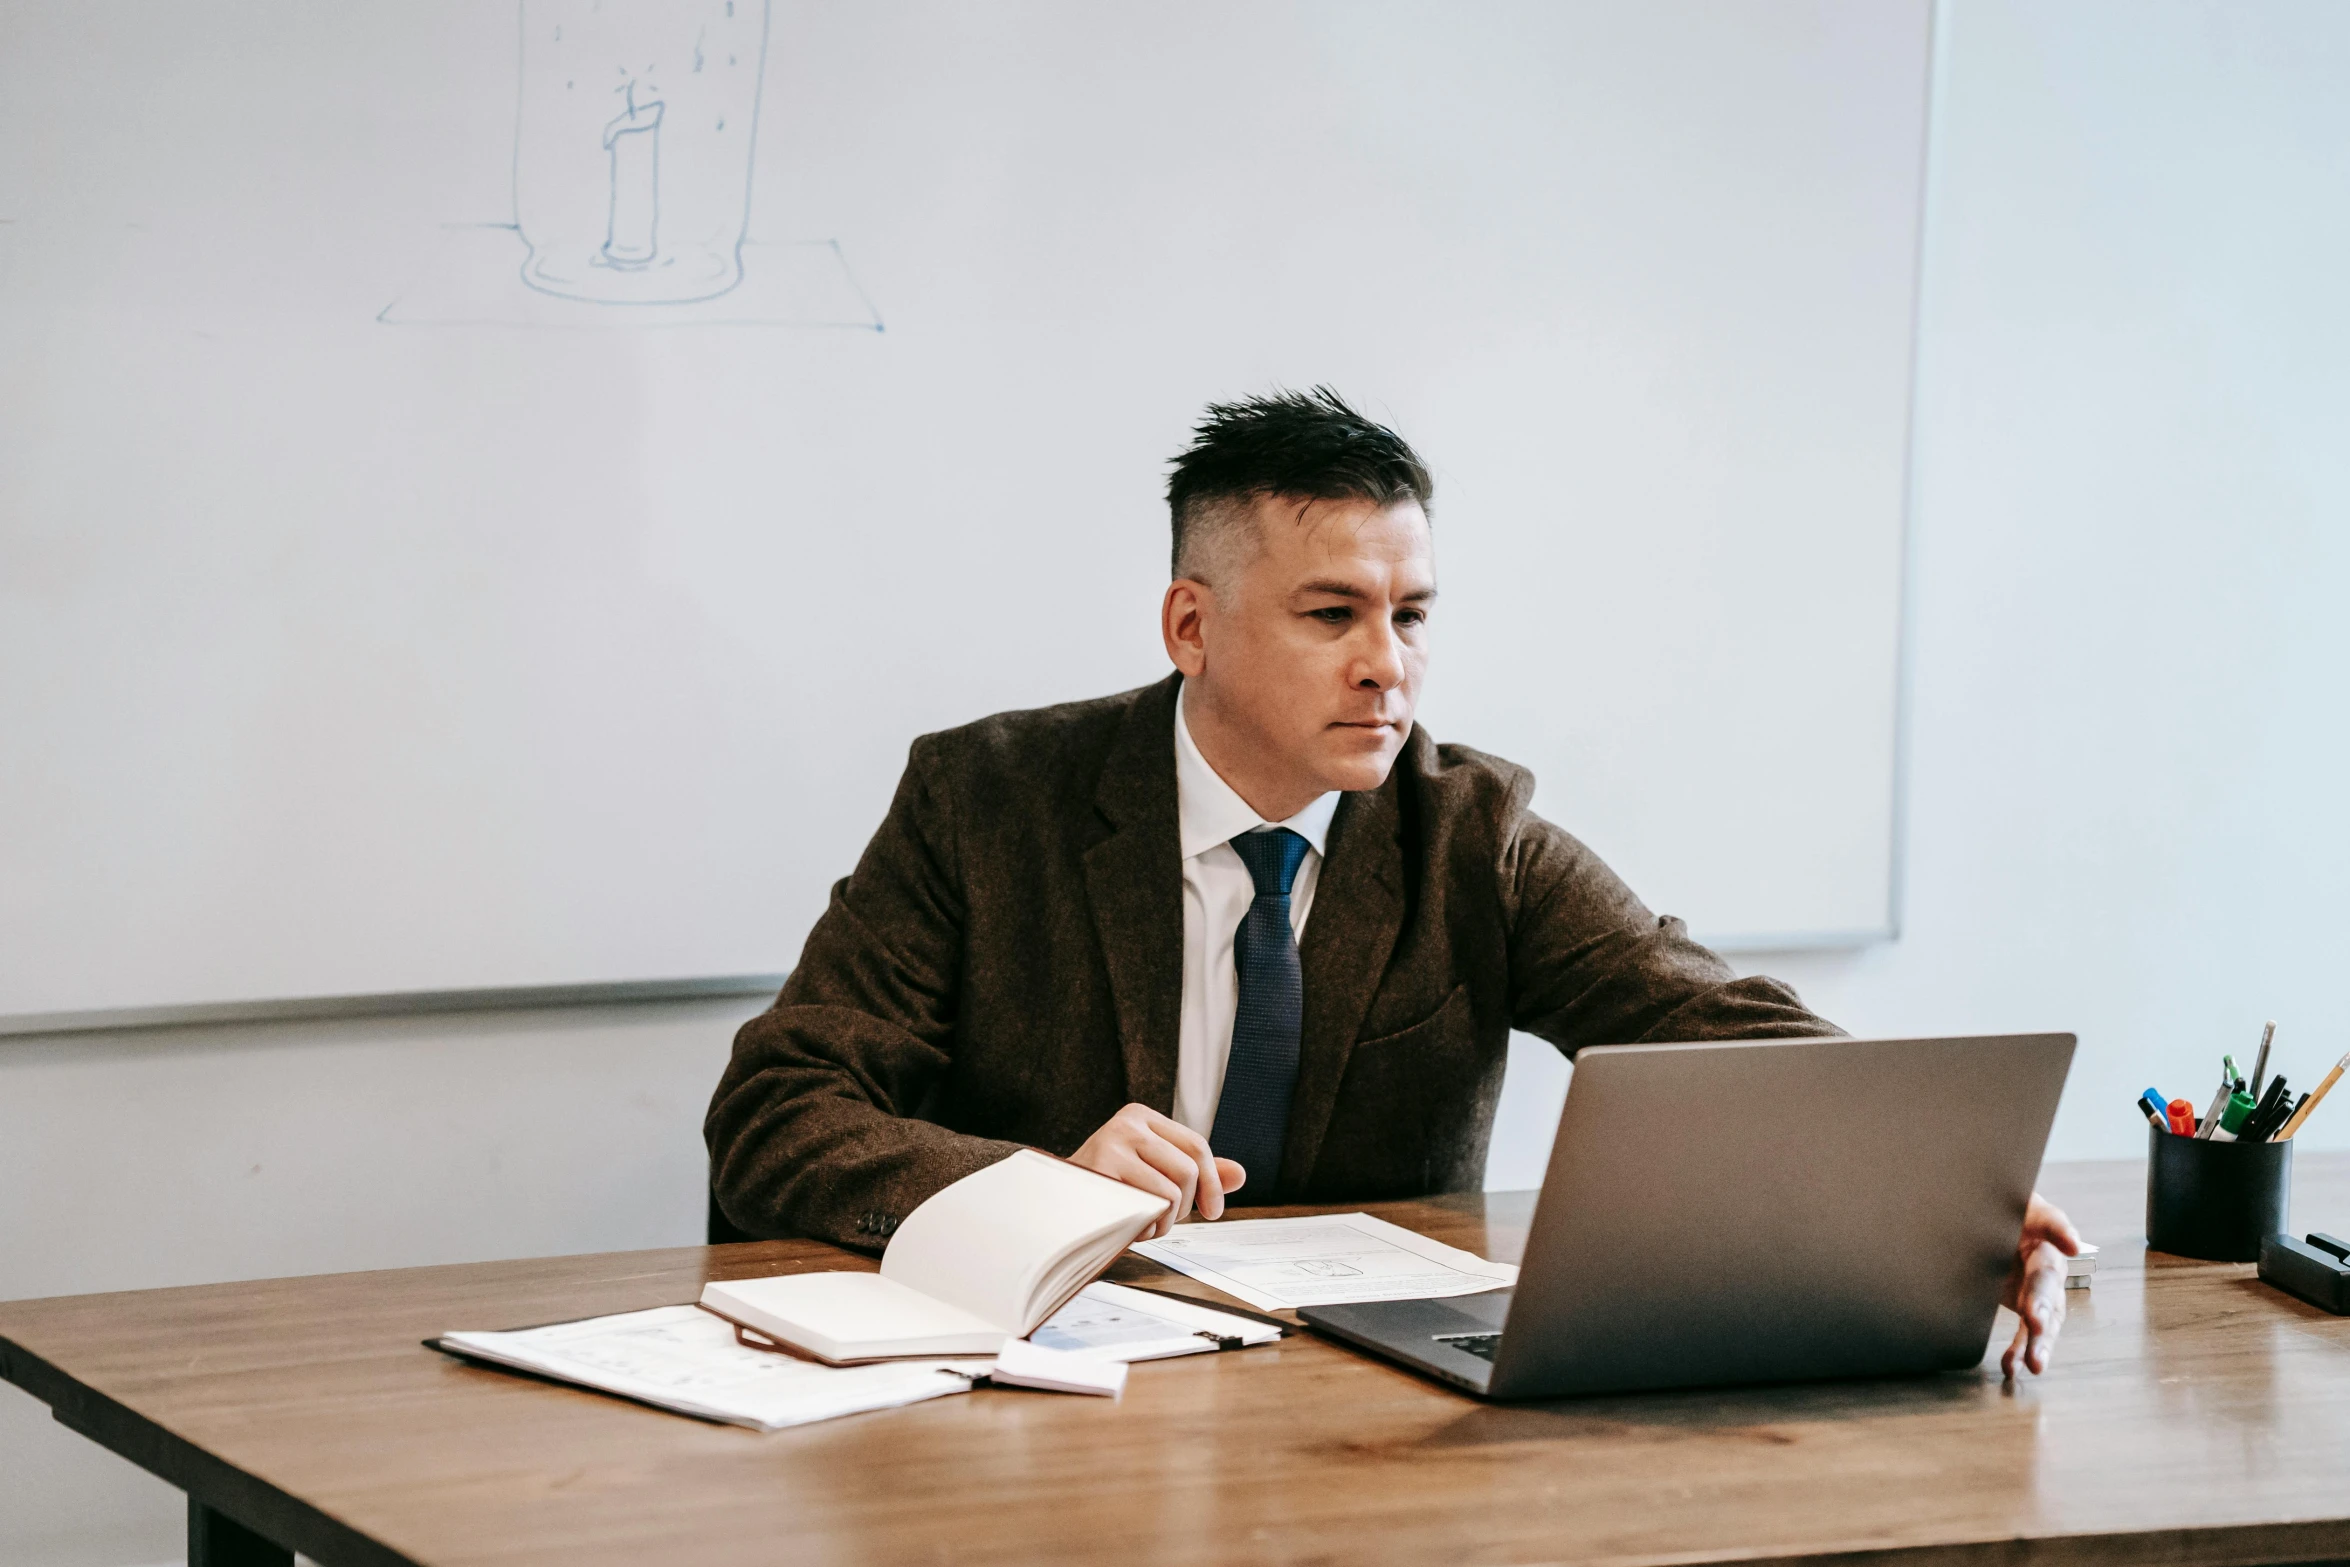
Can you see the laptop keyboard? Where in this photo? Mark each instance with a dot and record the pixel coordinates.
(1481, 1345)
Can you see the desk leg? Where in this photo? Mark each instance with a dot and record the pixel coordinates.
(217, 1540)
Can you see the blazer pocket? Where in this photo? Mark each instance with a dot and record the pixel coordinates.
(1449, 1021)
(1405, 1102)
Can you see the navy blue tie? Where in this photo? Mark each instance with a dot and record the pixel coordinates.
(1252, 1114)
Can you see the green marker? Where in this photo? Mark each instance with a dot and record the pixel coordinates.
(2240, 1105)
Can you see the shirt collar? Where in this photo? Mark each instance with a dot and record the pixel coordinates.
(1210, 811)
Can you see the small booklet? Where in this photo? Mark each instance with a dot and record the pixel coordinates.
(1338, 1259)
(1026, 1364)
(985, 1260)
(682, 1358)
(2079, 1271)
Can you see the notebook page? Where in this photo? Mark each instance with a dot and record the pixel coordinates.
(999, 1240)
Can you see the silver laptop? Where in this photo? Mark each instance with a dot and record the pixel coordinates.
(1754, 1211)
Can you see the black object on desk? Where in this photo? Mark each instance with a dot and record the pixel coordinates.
(2214, 1200)
(2317, 1270)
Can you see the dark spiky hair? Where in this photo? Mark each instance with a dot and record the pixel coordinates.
(1310, 445)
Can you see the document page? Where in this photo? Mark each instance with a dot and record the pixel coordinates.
(1281, 1264)
(1112, 1322)
(686, 1359)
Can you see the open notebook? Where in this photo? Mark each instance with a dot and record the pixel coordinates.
(985, 1260)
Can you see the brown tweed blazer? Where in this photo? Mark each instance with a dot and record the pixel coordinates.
(1003, 970)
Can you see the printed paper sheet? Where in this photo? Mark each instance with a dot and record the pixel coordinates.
(1281, 1264)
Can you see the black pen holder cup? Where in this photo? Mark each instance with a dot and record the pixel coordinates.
(2215, 1200)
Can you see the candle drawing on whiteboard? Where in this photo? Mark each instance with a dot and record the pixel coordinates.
(634, 141)
(632, 151)
(634, 138)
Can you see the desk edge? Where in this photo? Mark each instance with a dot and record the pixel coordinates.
(284, 1519)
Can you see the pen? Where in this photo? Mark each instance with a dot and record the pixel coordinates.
(2275, 1120)
(1217, 1305)
(2260, 1062)
(2275, 1105)
(2302, 1114)
(2232, 1119)
(2288, 1118)
(2156, 1108)
(2219, 1105)
(2229, 1072)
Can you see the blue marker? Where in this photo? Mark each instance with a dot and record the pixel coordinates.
(2156, 1107)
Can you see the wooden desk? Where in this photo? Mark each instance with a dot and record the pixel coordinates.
(2193, 1416)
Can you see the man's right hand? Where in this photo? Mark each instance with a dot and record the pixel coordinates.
(1162, 1156)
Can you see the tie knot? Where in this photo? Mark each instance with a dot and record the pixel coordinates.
(1272, 858)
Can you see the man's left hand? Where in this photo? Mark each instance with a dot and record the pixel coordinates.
(2035, 1286)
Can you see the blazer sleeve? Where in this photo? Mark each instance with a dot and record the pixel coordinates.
(1590, 965)
(815, 1127)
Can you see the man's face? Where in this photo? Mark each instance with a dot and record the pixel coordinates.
(1311, 654)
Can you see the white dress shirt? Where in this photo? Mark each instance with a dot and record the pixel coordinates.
(1217, 890)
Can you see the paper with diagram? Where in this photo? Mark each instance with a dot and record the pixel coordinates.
(1117, 1323)
(1334, 1260)
(685, 1359)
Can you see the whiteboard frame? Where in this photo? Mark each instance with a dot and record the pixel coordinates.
(402, 1003)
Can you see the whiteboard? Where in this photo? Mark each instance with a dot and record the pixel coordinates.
(488, 494)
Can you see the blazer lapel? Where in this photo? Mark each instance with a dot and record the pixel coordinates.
(1135, 880)
(1357, 915)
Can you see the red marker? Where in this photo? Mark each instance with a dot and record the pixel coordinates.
(2182, 1117)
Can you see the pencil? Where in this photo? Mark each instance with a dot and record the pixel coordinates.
(2309, 1104)
(2260, 1062)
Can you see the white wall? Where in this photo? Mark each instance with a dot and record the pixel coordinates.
(2130, 730)
(2126, 817)
(2130, 631)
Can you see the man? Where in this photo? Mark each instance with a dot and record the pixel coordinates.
(1246, 926)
